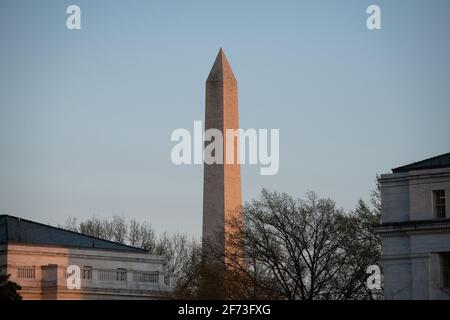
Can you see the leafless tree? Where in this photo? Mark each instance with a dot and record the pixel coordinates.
(303, 248)
(120, 229)
(141, 235)
(92, 227)
(133, 233)
(179, 250)
(71, 224)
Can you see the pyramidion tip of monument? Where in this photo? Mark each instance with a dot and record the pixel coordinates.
(221, 69)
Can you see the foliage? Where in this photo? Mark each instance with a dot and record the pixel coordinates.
(9, 289)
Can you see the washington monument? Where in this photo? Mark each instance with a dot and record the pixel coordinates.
(221, 182)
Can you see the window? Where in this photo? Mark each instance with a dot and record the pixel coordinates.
(445, 263)
(152, 277)
(26, 272)
(121, 275)
(86, 273)
(439, 203)
(113, 275)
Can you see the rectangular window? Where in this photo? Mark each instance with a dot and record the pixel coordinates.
(152, 277)
(26, 272)
(439, 203)
(113, 275)
(121, 275)
(445, 263)
(86, 273)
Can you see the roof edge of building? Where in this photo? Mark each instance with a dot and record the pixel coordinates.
(124, 246)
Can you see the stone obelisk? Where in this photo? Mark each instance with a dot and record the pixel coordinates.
(221, 182)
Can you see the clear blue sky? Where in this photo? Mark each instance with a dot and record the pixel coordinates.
(86, 116)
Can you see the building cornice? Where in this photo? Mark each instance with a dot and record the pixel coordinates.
(39, 250)
(416, 175)
(396, 229)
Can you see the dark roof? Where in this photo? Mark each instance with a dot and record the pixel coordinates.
(18, 230)
(441, 161)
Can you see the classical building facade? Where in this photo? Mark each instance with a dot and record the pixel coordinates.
(37, 257)
(416, 230)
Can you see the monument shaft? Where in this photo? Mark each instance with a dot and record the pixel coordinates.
(222, 182)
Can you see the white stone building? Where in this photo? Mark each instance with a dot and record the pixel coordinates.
(37, 256)
(416, 230)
